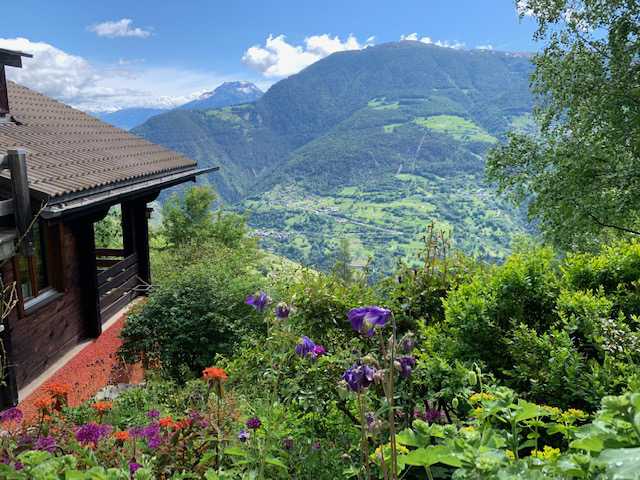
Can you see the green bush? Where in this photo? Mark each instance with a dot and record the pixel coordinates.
(197, 312)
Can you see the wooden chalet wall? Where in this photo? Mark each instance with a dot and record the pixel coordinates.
(41, 337)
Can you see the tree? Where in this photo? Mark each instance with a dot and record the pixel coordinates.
(580, 175)
(342, 266)
(189, 220)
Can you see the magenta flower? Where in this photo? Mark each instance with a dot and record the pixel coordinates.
(254, 423)
(134, 467)
(12, 414)
(259, 301)
(153, 414)
(366, 319)
(92, 433)
(46, 444)
(319, 350)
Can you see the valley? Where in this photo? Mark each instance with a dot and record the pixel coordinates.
(371, 146)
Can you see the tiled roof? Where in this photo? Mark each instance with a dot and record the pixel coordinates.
(70, 151)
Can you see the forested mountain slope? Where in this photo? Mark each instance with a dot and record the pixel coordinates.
(370, 145)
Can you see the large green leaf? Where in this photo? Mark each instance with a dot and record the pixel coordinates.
(425, 457)
(620, 463)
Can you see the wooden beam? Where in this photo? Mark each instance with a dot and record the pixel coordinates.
(10, 60)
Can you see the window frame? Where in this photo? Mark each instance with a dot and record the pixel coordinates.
(52, 239)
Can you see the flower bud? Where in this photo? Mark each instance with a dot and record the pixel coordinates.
(454, 402)
(472, 378)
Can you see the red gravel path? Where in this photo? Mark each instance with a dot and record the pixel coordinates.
(94, 367)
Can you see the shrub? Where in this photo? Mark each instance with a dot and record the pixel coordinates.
(196, 313)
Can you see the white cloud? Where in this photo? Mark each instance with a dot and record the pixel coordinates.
(522, 7)
(77, 82)
(278, 58)
(485, 47)
(429, 41)
(118, 28)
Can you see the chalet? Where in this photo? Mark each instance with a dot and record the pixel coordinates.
(61, 171)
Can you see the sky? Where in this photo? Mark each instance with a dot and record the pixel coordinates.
(111, 54)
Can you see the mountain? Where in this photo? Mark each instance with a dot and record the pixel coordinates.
(370, 145)
(229, 93)
(127, 118)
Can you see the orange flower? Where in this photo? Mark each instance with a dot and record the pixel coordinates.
(121, 436)
(166, 422)
(43, 403)
(59, 389)
(102, 406)
(214, 373)
(184, 423)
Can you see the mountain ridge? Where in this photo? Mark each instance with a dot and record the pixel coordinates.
(361, 121)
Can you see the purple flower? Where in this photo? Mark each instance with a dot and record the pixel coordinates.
(136, 432)
(198, 419)
(282, 311)
(18, 466)
(315, 445)
(259, 301)
(305, 347)
(92, 433)
(153, 414)
(287, 443)
(134, 467)
(407, 344)
(243, 436)
(366, 319)
(154, 441)
(254, 423)
(12, 414)
(319, 351)
(359, 377)
(431, 415)
(46, 444)
(406, 365)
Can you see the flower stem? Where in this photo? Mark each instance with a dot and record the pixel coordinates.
(390, 400)
(364, 443)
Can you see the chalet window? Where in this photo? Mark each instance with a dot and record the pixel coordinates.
(32, 271)
(38, 276)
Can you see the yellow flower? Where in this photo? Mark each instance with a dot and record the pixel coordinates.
(551, 411)
(477, 412)
(510, 455)
(547, 453)
(481, 396)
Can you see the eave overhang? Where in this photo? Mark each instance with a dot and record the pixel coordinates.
(104, 197)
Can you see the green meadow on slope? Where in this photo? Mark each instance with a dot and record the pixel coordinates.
(369, 145)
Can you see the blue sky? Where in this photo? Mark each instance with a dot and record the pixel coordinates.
(113, 54)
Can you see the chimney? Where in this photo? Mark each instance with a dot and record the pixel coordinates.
(9, 58)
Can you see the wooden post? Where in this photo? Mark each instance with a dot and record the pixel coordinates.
(17, 163)
(4, 96)
(88, 275)
(142, 241)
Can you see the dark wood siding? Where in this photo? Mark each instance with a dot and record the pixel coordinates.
(41, 337)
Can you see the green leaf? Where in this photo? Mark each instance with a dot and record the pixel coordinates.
(276, 462)
(425, 457)
(591, 444)
(408, 438)
(620, 463)
(235, 452)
